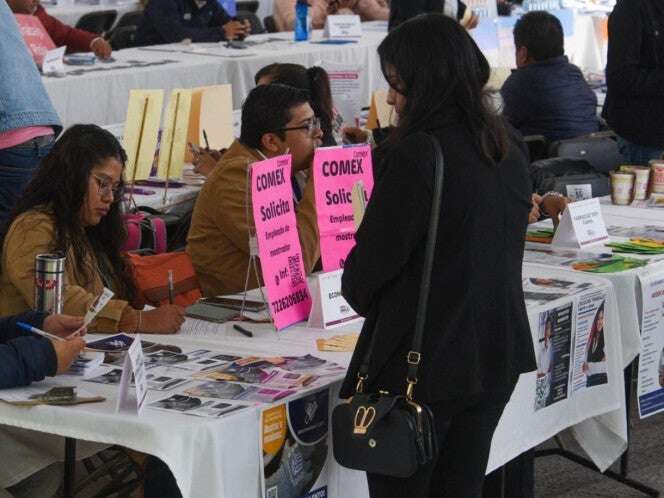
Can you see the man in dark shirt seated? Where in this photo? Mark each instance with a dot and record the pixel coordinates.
(172, 21)
(547, 95)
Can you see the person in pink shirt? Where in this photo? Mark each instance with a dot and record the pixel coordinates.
(368, 10)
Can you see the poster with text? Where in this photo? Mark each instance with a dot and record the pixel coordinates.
(346, 85)
(278, 242)
(336, 170)
(552, 350)
(590, 364)
(651, 360)
(294, 448)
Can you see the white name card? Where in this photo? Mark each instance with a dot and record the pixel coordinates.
(581, 225)
(329, 308)
(54, 61)
(132, 402)
(580, 192)
(342, 27)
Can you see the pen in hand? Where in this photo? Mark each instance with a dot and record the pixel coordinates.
(207, 144)
(171, 290)
(35, 330)
(242, 330)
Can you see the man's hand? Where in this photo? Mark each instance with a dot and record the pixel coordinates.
(101, 48)
(553, 206)
(534, 214)
(66, 352)
(63, 325)
(205, 162)
(236, 29)
(355, 135)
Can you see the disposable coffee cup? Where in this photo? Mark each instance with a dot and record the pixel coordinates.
(622, 187)
(657, 176)
(641, 183)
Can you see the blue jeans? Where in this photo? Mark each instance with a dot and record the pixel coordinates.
(636, 154)
(17, 167)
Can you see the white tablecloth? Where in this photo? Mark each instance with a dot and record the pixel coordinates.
(99, 94)
(626, 283)
(220, 457)
(70, 13)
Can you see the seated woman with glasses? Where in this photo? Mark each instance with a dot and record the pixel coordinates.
(72, 207)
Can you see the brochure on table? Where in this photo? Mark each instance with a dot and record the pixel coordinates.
(336, 170)
(278, 242)
(295, 447)
(651, 359)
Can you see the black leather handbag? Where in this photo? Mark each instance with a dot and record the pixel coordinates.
(384, 433)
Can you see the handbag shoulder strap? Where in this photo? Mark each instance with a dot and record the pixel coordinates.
(414, 355)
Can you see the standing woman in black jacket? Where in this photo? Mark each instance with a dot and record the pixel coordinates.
(477, 339)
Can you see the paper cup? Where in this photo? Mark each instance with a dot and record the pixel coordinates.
(657, 173)
(641, 182)
(622, 187)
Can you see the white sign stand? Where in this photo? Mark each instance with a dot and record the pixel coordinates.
(54, 61)
(329, 309)
(343, 27)
(133, 365)
(581, 225)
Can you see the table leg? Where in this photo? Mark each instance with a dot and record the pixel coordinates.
(70, 468)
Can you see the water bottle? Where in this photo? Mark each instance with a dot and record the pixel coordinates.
(301, 20)
(49, 282)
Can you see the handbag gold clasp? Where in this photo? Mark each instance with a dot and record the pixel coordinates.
(410, 388)
(359, 387)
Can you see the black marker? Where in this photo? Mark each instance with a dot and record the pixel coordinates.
(207, 144)
(242, 330)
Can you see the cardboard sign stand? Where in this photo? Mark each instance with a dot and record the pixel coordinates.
(170, 149)
(253, 261)
(134, 167)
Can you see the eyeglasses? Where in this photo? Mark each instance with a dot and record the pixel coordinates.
(106, 188)
(311, 127)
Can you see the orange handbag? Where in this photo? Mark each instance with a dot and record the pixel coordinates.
(151, 278)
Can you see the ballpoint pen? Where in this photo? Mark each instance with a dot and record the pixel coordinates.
(171, 289)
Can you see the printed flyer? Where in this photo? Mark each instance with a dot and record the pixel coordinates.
(538, 290)
(278, 242)
(552, 351)
(294, 448)
(651, 360)
(336, 170)
(590, 367)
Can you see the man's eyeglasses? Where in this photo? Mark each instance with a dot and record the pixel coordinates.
(106, 188)
(311, 127)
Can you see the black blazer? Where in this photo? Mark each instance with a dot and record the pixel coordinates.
(477, 337)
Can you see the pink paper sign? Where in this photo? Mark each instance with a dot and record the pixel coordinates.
(278, 242)
(336, 171)
(35, 36)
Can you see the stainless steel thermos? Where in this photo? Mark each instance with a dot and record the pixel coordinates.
(49, 282)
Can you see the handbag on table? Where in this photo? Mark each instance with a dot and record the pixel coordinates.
(384, 433)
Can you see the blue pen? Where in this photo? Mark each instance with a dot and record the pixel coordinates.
(35, 330)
